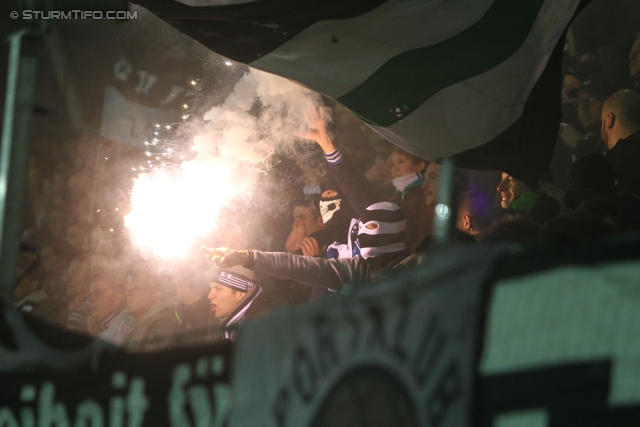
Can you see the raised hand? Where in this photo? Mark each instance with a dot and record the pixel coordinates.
(318, 131)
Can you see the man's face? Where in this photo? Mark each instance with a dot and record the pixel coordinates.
(430, 184)
(105, 299)
(141, 295)
(634, 60)
(311, 224)
(590, 110)
(402, 165)
(569, 83)
(223, 299)
(510, 188)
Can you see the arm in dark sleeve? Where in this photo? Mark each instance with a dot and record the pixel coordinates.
(309, 271)
(354, 184)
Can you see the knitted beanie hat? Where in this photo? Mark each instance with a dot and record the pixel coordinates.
(381, 230)
(237, 278)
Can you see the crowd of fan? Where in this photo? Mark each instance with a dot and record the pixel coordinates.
(367, 220)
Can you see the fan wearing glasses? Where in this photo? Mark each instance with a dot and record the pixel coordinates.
(590, 98)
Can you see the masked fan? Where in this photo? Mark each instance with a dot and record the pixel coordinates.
(380, 246)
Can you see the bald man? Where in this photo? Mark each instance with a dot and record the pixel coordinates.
(621, 134)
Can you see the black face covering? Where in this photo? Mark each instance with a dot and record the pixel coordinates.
(336, 214)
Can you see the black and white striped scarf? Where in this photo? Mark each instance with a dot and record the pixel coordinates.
(230, 323)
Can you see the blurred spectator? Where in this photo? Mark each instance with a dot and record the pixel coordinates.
(193, 306)
(109, 318)
(471, 213)
(31, 295)
(621, 134)
(590, 98)
(604, 30)
(151, 300)
(510, 188)
(571, 129)
(573, 77)
(77, 284)
(235, 297)
(308, 236)
(431, 183)
(407, 172)
(430, 191)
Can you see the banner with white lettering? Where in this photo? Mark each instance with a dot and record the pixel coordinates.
(98, 387)
(401, 353)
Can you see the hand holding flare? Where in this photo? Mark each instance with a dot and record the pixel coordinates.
(225, 257)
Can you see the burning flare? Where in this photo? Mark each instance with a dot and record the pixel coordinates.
(169, 210)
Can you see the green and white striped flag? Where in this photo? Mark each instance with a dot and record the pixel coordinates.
(435, 77)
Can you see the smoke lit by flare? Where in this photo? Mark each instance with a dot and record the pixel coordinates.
(170, 210)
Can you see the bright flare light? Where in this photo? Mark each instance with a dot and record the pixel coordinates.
(169, 211)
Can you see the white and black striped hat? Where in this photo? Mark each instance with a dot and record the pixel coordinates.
(237, 278)
(381, 230)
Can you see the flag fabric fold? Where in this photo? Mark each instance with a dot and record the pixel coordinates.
(478, 79)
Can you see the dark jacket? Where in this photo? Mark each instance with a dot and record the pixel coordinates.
(194, 324)
(325, 273)
(625, 159)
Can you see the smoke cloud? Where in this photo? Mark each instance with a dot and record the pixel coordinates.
(234, 148)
